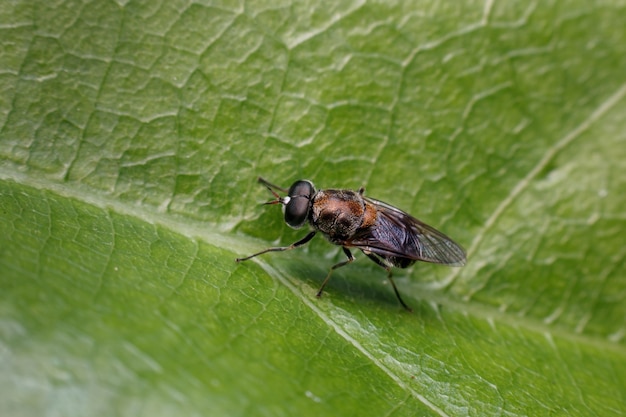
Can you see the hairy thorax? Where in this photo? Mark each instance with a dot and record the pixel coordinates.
(339, 214)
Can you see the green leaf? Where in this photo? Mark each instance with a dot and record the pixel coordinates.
(131, 135)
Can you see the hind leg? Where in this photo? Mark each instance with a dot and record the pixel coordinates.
(379, 262)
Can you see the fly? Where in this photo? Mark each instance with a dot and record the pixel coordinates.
(385, 234)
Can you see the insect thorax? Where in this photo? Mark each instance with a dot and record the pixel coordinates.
(337, 213)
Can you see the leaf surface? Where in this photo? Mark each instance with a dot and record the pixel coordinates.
(131, 135)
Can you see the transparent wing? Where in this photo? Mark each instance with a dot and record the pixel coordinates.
(399, 234)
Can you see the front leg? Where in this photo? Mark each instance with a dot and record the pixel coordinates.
(301, 242)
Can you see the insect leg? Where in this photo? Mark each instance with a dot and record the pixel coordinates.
(281, 248)
(339, 265)
(393, 284)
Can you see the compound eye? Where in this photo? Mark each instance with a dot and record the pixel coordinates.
(297, 208)
(296, 211)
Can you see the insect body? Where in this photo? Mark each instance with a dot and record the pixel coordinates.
(387, 235)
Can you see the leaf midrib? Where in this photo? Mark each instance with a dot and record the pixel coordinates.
(205, 231)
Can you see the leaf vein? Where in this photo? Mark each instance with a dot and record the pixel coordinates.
(524, 183)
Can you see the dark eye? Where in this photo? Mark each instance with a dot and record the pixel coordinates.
(297, 209)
